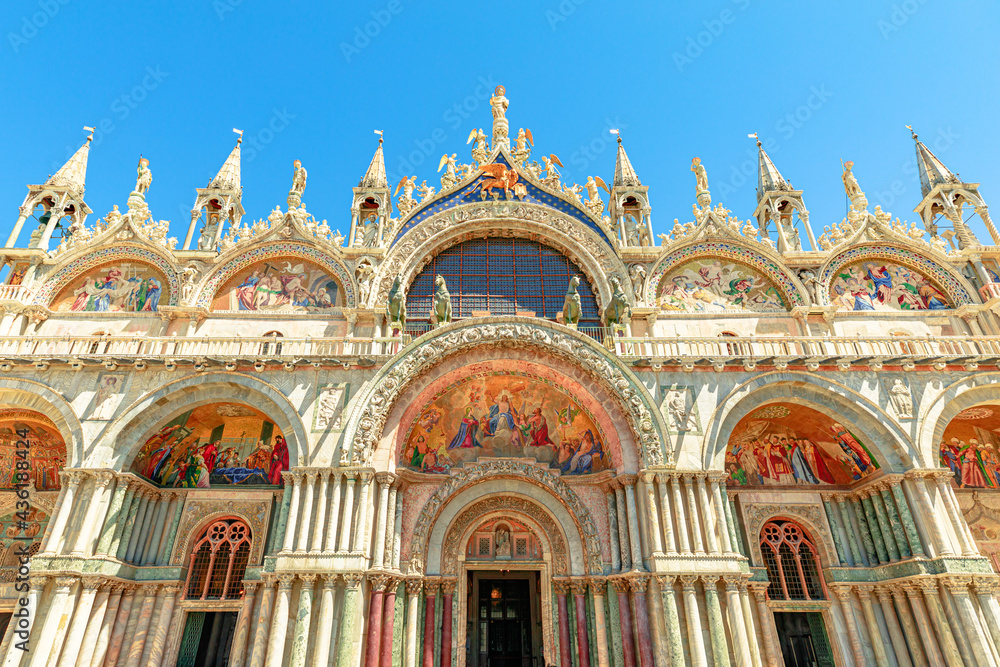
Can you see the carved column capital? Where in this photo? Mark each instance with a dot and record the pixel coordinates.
(65, 583)
(352, 579)
(431, 585)
(92, 582)
(986, 585)
(385, 478)
(638, 584)
(688, 581)
(578, 586)
(171, 590)
(379, 582)
(627, 479)
(414, 586)
(285, 581)
(665, 581)
(619, 584)
(448, 585)
(250, 587)
(598, 586)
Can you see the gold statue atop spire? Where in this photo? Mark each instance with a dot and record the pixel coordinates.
(499, 104)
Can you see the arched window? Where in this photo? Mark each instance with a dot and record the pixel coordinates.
(792, 560)
(266, 347)
(501, 276)
(219, 561)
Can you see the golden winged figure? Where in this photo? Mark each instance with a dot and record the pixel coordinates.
(600, 182)
(499, 177)
(472, 136)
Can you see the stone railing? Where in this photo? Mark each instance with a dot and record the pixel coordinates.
(989, 291)
(18, 293)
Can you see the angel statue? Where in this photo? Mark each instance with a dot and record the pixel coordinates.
(573, 191)
(551, 173)
(466, 171)
(479, 150)
(425, 191)
(449, 178)
(522, 145)
(144, 177)
(594, 202)
(406, 203)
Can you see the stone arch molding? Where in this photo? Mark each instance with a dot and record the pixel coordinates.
(580, 244)
(365, 428)
(31, 395)
(971, 390)
(518, 478)
(138, 421)
(832, 398)
(810, 517)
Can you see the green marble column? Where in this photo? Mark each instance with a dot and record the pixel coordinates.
(111, 523)
(852, 539)
(735, 536)
(130, 520)
(720, 650)
(834, 531)
(672, 620)
(123, 512)
(883, 523)
(278, 534)
(168, 546)
(614, 628)
(352, 610)
(916, 548)
(898, 533)
(873, 529)
(301, 637)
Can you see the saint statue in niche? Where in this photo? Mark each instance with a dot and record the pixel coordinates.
(502, 542)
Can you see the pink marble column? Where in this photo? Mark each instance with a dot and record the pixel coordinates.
(582, 638)
(375, 620)
(640, 612)
(625, 613)
(448, 594)
(388, 616)
(565, 657)
(430, 600)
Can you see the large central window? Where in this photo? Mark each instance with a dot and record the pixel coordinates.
(501, 277)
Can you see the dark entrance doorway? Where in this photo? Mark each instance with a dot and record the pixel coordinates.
(504, 632)
(803, 639)
(208, 639)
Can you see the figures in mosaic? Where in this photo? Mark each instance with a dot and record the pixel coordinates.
(279, 286)
(785, 444)
(970, 447)
(884, 286)
(713, 285)
(132, 288)
(32, 432)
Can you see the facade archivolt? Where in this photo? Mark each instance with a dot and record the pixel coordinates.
(971, 390)
(836, 400)
(31, 395)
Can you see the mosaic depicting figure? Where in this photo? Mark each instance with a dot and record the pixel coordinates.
(45, 446)
(970, 447)
(785, 444)
(878, 285)
(279, 285)
(710, 284)
(217, 444)
(504, 414)
(129, 288)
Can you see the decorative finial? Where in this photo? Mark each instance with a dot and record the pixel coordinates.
(239, 132)
(617, 133)
(753, 135)
(910, 128)
(379, 133)
(87, 128)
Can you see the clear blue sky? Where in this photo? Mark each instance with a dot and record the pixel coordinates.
(824, 81)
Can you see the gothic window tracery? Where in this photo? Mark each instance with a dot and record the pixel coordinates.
(792, 561)
(218, 561)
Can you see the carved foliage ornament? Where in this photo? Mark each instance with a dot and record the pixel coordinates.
(578, 350)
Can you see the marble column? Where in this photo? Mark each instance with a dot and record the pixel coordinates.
(50, 639)
(565, 657)
(324, 628)
(384, 479)
(171, 535)
(347, 523)
(693, 514)
(892, 622)
(906, 516)
(867, 534)
(898, 529)
(831, 517)
(716, 630)
(362, 521)
(143, 528)
(137, 645)
(771, 653)
(121, 518)
(321, 504)
(397, 528)
(89, 501)
(923, 624)
(652, 514)
(958, 586)
(430, 588)
(986, 588)
(579, 589)
(640, 614)
(843, 593)
(156, 642)
(735, 534)
(710, 517)
(955, 622)
(303, 615)
(598, 588)
(373, 644)
(751, 632)
(946, 640)
(113, 517)
(965, 541)
(175, 631)
(71, 482)
(78, 624)
(682, 525)
(672, 621)
(942, 545)
(696, 641)
(721, 520)
(120, 625)
(262, 628)
(279, 621)
(305, 513)
(616, 550)
(623, 541)
(351, 611)
(390, 528)
(910, 629)
(138, 502)
(874, 632)
(633, 520)
(737, 628)
(447, 599)
(625, 617)
(106, 625)
(888, 530)
(155, 532)
(330, 544)
(852, 536)
(413, 588)
(288, 543)
(388, 622)
(135, 525)
(666, 517)
(239, 648)
(875, 527)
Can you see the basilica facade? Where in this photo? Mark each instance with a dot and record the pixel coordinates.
(500, 422)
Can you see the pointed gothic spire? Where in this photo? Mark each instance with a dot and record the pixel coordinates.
(932, 170)
(375, 176)
(73, 174)
(624, 173)
(228, 177)
(769, 179)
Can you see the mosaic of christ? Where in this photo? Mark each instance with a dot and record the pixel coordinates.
(504, 414)
(279, 285)
(878, 285)
(784, 444)
(970, 447)
(215, 444)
